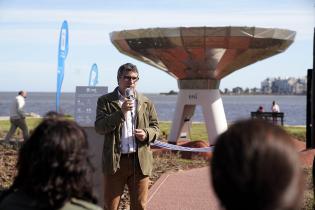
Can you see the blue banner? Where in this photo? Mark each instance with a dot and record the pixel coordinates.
(93, 80)
(62, 54)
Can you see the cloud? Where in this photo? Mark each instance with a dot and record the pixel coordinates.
(94, 26)
(33, 67)
(24, 31)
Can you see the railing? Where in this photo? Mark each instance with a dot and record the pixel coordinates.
(270, 116)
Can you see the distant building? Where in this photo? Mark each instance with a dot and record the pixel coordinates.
(237, 90)
(300, 86)
(281, 86)
(226, 91)
(291, 85)
(266, 86)
(255, 90)
(284, 86)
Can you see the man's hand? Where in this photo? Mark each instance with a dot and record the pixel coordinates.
(140, 134)
(127, 105)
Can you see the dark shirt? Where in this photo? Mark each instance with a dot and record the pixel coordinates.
(19, 200)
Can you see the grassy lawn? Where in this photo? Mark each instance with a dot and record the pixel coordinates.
(5, 126)
(297, 131)
(31, 123)
(198, 131)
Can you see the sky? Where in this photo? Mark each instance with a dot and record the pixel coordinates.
(29, 36)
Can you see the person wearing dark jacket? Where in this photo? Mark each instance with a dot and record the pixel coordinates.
(54, 171)
(129, 123)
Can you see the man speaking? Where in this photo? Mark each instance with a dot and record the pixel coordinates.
(129, 123)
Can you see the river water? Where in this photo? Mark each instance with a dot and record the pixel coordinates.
(236, 107)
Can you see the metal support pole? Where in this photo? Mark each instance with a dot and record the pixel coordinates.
(309, 110)
(313, 97)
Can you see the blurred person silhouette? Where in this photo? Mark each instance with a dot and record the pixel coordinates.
(255, 166)
(54, 114)
(54, 170)
(17, 116)
(275, 107)
(260, 109)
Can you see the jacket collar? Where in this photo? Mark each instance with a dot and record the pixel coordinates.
(113, 96)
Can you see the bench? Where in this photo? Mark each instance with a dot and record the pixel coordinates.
(270, 116)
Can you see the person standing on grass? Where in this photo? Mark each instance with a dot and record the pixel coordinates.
(129, 123)
(17, 116)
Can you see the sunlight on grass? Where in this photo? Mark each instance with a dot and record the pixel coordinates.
(199, 131)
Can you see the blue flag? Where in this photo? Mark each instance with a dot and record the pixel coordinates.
(62, 54)
(93, 80)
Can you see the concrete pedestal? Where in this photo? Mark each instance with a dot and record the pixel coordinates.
(96, 142)
(212, 107)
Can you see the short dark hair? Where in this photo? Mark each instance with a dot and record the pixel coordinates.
(54, 114)
(53, 164)
(255, 166)
(20, 92)
(126, 67)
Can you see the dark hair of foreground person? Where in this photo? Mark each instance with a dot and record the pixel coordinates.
(53, 166)
(256, 166)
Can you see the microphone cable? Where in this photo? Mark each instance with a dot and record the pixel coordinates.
(135, 146)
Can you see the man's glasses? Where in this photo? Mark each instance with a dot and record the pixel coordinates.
(127, 78)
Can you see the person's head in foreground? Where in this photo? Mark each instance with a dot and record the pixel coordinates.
(256, 167)
(53, 115)
(53, 168)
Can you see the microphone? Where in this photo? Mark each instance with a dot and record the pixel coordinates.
(129, 93)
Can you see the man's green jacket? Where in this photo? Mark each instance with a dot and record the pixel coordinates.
(109, 122)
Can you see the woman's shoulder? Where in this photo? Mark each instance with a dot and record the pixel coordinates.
(18, 200)
(77, 204)
(21, 201)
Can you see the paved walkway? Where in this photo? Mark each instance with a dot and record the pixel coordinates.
(184, 190)
(192, 190)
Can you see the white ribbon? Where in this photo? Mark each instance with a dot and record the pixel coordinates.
(180, 148)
